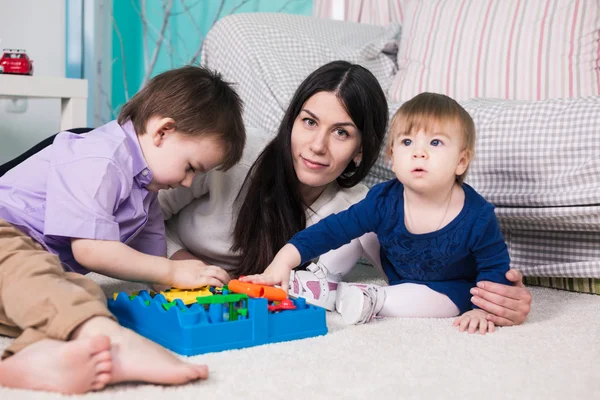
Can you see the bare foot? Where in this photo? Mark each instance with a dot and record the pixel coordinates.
(77, 366)
(137, 359)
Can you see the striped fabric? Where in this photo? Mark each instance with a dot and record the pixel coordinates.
(324, 9)
(376, 12)
(511, 49)
(572, 284)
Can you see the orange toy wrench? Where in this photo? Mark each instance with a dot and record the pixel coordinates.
(254, 290)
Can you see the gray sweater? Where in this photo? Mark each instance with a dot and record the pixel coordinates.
(200, 219)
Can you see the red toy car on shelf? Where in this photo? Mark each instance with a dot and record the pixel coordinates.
(15, 61)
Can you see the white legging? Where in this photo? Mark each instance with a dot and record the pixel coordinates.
(403, 300)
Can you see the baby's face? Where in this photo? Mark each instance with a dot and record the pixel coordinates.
(428, 159)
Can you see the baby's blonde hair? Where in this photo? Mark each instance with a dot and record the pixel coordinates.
(424, 111)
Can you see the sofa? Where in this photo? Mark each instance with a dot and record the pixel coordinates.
(538, 154)
(537, 161)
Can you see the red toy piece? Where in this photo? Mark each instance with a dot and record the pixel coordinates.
(15, 61)
(286, 304)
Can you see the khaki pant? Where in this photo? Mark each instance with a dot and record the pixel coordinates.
(38, 299)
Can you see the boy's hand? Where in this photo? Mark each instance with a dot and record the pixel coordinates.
(191, 274)
(472, 320)
(278, 272)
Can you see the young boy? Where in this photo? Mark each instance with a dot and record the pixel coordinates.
(89, 203)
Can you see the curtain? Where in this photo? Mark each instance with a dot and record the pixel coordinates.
(378, 12)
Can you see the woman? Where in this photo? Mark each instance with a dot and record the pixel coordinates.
(329, 138)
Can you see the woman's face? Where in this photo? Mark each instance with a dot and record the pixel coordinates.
(324, 142)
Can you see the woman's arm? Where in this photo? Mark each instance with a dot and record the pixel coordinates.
(183, 255)
(174, 243)
(174, 200)
(506, 305)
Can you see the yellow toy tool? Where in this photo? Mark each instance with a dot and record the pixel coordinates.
(188, 296)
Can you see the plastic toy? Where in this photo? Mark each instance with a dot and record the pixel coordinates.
(187, 296)
(15, 61)
(218, 322)
(257, 291)
(286, 304)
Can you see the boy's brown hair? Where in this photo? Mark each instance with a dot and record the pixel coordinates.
(199, 101)
(427, 109)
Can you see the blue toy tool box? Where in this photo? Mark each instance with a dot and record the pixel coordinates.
(196, 329)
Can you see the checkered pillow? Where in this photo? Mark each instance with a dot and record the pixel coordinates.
(537, 154)
(268, 55)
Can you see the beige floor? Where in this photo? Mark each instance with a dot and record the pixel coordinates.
(555, 355)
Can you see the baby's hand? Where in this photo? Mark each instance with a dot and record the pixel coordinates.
(278, 272)
(472, 320)
(275, 274)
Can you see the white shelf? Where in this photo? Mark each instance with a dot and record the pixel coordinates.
(72, 92)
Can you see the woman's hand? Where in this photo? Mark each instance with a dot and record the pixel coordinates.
(278, 272)
(474, 320)
(506, 305)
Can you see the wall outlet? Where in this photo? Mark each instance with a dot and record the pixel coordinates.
(16, 105)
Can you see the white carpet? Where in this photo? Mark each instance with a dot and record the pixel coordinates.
(554, 355)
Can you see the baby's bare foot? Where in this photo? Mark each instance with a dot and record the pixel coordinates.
(137, 359)
(77, 366)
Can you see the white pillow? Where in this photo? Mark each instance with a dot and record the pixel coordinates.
(510, 49)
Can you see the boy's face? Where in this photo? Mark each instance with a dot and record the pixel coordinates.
(175, 158)
(429, 160)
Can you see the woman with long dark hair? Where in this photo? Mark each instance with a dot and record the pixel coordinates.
(329, 138)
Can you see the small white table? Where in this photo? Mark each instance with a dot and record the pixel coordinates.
(73, 94)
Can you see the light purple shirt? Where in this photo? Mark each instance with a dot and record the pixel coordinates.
(89, 186)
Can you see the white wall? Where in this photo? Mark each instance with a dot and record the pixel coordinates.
(337, 9)
(97, 62)
(39, 27)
